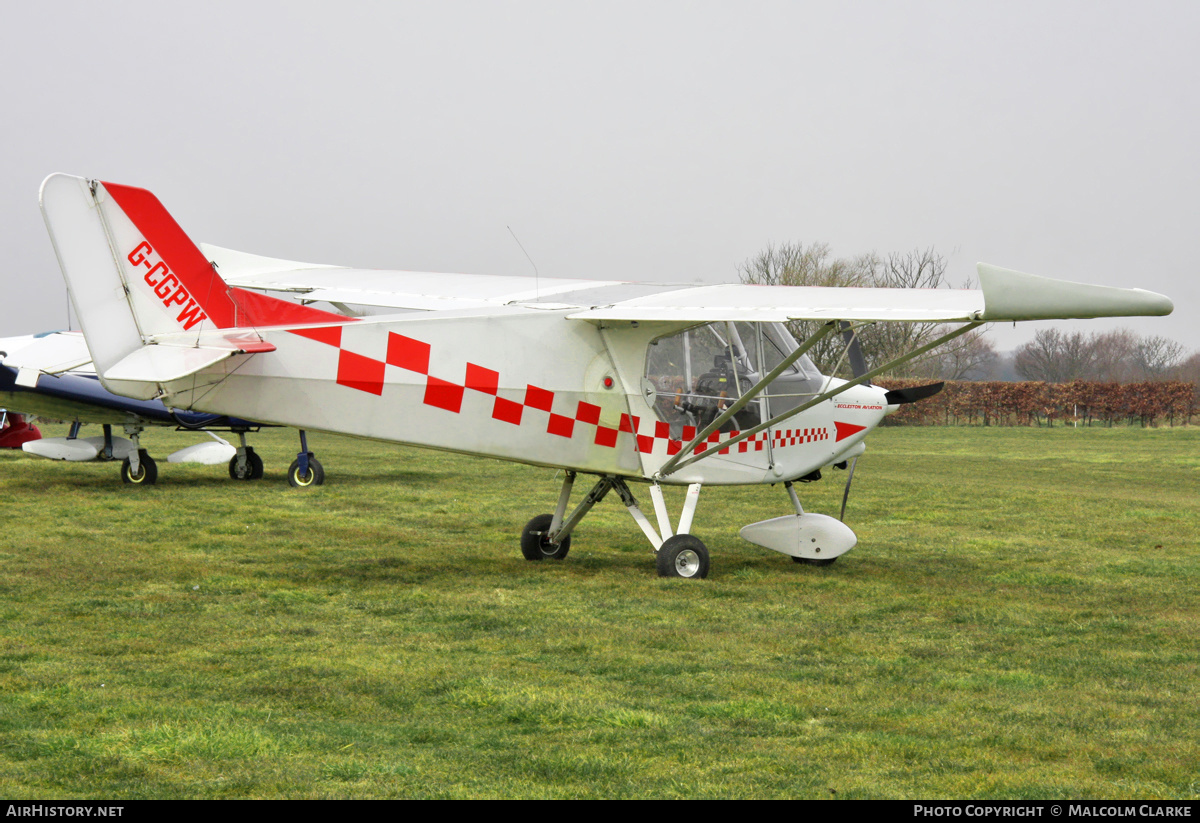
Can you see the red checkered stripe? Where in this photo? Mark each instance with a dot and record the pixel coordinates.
(779, 438)
(366, 374)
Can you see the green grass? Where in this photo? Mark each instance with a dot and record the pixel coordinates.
(1018, 620)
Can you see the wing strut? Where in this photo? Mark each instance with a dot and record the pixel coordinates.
(675, 464)
(752, 393)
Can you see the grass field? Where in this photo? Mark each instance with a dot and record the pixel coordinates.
(1020, 619)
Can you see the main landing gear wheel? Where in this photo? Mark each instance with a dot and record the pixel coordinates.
(534, 544)
(253, 470)
(315, 477)
(147, 473)
(682, 556)
(815, 561)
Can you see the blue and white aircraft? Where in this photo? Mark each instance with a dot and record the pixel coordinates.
(51, 375)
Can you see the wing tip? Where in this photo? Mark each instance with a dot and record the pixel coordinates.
(1014, 295)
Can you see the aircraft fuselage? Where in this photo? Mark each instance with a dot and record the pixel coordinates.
(525, 384)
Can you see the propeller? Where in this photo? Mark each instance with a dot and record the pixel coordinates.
(898, 396)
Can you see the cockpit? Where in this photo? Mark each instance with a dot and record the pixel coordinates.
(699, 373)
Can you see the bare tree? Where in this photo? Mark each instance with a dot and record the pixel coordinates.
(1052, 356)
(1055, 357)
(919, 269)
(970, 356)
(1118, 356)
(1114, 356)
(1037, 359)
(794, 264)
(910, 270)
(1189, 370)
(1157, 356)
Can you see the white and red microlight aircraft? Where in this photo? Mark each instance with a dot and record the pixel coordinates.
(628, 382)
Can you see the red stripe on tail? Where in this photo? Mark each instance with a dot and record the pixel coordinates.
(227, 308)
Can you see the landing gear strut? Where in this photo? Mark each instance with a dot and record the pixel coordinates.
(305, 471)
(138, 468)
(678, 555)
(145, 473)
(246, 464)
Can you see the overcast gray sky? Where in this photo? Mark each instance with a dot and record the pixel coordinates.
(643, 140)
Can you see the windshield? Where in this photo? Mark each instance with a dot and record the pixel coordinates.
(697, 374)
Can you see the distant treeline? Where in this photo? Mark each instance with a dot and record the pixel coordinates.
(994, 403)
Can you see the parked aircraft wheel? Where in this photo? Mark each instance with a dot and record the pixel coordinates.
(147, 474)
(815, 561)
(534, 544)
(254, 466)
(682, 556)
(316, 474)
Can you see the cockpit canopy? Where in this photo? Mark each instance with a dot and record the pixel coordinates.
(700, 372)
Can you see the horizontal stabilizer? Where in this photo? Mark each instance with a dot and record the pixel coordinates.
(162, 364)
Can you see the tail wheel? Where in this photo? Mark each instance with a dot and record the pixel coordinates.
(682, 556)
(147, 473)
(253, 469)
(534, 544)
(315, 476)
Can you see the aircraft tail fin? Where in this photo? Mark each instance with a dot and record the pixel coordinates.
(134, 276)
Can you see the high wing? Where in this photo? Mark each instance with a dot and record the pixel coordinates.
(1004, 295)
(407, 290)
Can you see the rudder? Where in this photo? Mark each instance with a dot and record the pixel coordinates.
(135, 279)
